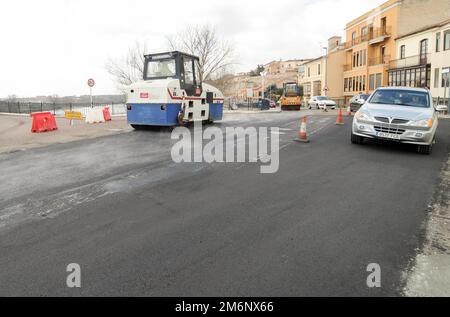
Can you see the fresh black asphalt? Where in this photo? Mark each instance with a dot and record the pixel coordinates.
(138, 224)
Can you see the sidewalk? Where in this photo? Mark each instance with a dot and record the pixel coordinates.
(430, 275)
(15, 132)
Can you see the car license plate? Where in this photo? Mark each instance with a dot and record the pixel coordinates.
(388, 135)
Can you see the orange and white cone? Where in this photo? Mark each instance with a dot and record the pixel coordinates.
(302, 134)
(349, 111)
(339, 120)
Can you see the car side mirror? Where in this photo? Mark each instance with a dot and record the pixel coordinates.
(361, 101)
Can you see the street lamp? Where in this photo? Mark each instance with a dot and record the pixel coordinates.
(263, 74)
(326, 70)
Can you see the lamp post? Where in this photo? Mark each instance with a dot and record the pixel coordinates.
(326, 70)
(263, 74)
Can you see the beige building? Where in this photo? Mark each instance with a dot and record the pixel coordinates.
(323, 76)
(312, 77)
(371, 41)
(283, 67)
(423, 59)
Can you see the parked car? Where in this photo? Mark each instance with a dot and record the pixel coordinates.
(400, 114)
(357, 101)
(442, 108)
(320, 102)
(263, 104)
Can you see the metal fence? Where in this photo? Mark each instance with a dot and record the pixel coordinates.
(56, 109)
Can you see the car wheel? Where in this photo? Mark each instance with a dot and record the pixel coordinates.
(356, 139)
(425, 149)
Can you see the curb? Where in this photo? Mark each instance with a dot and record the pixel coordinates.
(8, 114)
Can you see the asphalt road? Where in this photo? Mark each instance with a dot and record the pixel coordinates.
(138, 224)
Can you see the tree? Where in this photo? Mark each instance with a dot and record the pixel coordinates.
(215, 54)
(12, 98)
(259, 69)
(130, 68)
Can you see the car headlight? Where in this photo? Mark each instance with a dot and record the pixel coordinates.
(363, 116)
(422, 123)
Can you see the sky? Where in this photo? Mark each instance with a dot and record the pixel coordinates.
(54, 46)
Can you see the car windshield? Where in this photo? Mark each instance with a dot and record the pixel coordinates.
(161, 68)
(322, 98)
(401, 98)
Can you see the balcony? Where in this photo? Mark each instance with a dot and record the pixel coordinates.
(412, 61)
(375, 36)
(380, 60)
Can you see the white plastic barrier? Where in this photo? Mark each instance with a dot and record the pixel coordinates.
(95, 115)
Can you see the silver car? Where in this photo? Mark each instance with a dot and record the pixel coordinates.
(400, 114)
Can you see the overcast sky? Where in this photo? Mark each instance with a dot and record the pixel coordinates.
(54, 46)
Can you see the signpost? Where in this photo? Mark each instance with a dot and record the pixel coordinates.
(91, 84)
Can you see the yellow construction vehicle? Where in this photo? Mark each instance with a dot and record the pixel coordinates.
(292, 96)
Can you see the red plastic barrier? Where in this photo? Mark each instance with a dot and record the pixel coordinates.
(42, 122)
(106, 114)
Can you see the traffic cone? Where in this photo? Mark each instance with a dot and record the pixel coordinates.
(339, 120)
(349, 111)
(302, 135)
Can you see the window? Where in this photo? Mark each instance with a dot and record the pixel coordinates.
(447, 40)
(384, 25)
(379, 78)
(372, 82)
(402, 51)
(364, 83)
(353, 37)
(400, 97)
(423, 51)
(318, 69)
(161, 68)
(438, 42)
(198, 79)
(445, 79)
(309, 72)
(188, 71)
(402, 78)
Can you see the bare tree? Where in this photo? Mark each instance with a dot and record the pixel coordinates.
(130, 68)
(215, 54)
(12, 98)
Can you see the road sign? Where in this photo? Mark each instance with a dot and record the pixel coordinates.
(91, 83)
(73, 115)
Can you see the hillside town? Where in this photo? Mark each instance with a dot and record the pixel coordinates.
(387, 46)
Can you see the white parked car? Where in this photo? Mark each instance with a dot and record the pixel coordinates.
(320, 102)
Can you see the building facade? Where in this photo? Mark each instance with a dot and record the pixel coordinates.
(312, 77)
(369, 48)
(323, 76)
(423, 59)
